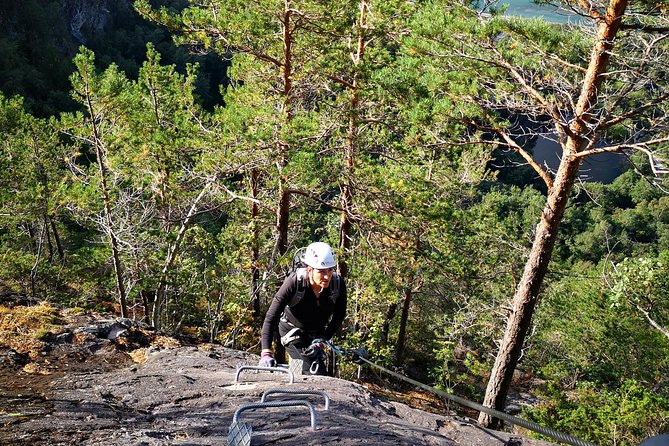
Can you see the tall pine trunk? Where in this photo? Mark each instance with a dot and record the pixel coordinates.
(113, 240)
(103, 171)
(255, 248)
(528, 289)
(56, 237)
(283, 205)
(527, 292)
(387, 320)
(404, 320)
(106, 202)
(345, 224)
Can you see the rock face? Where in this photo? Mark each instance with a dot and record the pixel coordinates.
(91, 15)
(117, 382)
(188, 395)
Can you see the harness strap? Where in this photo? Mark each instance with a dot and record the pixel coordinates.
(293, 335)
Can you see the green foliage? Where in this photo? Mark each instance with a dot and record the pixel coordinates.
(150, 134)
(626, 218)
(624, 416)
(643, 283)
(491, 233)
(38, 40)
(31, 202)
(33, 45)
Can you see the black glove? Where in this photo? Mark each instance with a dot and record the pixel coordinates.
(357, 353)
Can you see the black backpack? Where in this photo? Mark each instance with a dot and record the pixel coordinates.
(300, 269)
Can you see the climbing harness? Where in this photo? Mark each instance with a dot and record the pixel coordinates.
(294, 334)
(352, 355)
(315, 354)
(359, 356)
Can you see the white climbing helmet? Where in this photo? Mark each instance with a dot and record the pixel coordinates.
(319, 255)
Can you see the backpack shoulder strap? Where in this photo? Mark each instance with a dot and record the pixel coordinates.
(301, 283)
(336, 285)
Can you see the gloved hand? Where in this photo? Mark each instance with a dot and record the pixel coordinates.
(267, 360)
(357, 353)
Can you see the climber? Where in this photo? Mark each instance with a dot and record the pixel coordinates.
(310, 305)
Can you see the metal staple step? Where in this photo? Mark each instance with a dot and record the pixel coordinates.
(291, 376)
(295, 365)
(239, 434)
(268, 392)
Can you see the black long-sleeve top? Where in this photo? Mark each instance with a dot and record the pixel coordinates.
(321, 317)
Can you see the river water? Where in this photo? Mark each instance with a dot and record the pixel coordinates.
(525, 8)
(603, 167)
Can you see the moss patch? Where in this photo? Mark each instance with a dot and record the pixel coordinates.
(24, 329)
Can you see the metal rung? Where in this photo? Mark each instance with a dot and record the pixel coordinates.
(291, 376)
(288, 403)
(268, 392)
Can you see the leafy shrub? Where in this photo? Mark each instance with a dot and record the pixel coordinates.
(622, 416)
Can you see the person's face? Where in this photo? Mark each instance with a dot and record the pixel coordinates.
(322, 277)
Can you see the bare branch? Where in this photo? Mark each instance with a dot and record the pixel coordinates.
(656, 164)
(633, 112)
(652, 321)
(591, 11)
(527, 157)
(316, 199)
(233, 48)
(550, 108)
(567, 64)
(646, 28)
(342, 82)
(511, 143)
(236, 196)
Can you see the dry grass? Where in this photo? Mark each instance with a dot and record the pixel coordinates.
(165, 342)
(32, 368)
(417, 399)
(24, 329)
(140, 355)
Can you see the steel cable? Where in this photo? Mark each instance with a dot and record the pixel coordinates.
(565, 438)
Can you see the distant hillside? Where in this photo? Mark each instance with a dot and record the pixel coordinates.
(38, 39)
